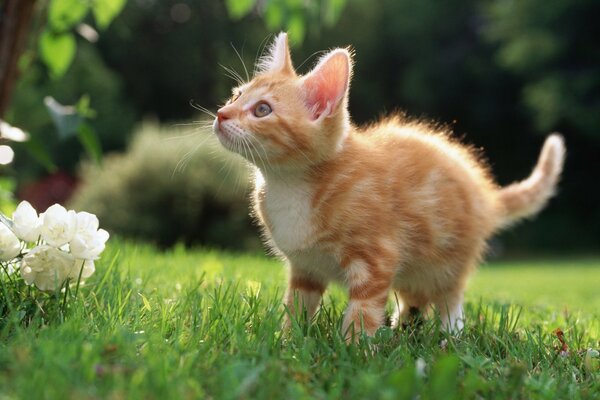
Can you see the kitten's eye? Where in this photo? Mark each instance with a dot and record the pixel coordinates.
(262, 109)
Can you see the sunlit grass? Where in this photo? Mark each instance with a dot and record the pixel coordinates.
(194, 324)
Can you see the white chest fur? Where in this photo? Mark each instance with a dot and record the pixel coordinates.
(288, 210)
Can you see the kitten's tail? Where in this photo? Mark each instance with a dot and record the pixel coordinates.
(526, 198)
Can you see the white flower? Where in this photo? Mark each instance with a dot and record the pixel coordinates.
(58, 225)
(10, 246)
(13, 266)
(26, 222)
(86, 222)
(48, 267)
(420, 365)
(89, 241)
(89, 246)
(88, 268)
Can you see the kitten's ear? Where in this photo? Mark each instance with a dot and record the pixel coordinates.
(326, 86)
(278, 58)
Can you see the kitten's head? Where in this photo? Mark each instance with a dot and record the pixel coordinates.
(282, 119)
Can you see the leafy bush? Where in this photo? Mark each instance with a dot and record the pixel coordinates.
(171, 187)
(88, 75)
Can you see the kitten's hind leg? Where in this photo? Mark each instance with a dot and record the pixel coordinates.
(450, 308)
(303, 296)
(369, 287)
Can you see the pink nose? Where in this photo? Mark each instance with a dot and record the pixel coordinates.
(222, 116)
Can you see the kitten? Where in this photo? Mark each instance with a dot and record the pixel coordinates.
(395, 206)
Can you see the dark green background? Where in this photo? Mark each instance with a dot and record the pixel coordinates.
(501, 74)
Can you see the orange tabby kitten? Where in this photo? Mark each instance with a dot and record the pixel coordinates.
(396, 206)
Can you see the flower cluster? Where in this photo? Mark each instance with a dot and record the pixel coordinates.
(51, 247)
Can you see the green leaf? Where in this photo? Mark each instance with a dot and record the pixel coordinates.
(8, 186)
(37, 150)
(147, 305)
(89, 139)
(64, 14)
(530, 52)
(106, 10)
(239, 8)
(443, 384)
(57, 51)
(404, 381)
(274, 14)
(83, 107)
(333, 11)
(296, 28)
(66, 118)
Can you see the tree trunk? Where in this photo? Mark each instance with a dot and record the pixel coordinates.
(15, 18)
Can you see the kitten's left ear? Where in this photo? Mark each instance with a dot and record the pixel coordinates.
(278, 59)
(326, 86)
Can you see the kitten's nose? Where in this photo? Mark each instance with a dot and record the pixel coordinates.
(222, 116)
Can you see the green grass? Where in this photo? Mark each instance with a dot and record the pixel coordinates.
(205, 324)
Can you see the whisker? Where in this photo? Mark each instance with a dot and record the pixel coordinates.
(204, 110)
(320, 52)
(183, 162)
(227, 167)
(247, 146)
(193, 123)
(200, 128)
(260, 52)
(256, 141)
(242, 60)
(266, 161)
(260, 158)
(187, 157)
(231, 73)
(305, 156)
(254, 166)
(170, 138)
(241, 150)
(253, 149)
(238, 81)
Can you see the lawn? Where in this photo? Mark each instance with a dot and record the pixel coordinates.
(205, 324)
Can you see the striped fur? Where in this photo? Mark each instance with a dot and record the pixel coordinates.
(398, 206)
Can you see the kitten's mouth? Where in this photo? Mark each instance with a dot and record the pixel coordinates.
(221, 133)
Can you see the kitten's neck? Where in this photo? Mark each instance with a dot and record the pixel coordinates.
(283, 173)
(304, 165)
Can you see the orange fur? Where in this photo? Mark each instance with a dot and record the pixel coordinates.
(398, 205)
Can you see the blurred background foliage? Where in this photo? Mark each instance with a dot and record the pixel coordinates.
(501, 73)
(168, 188)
